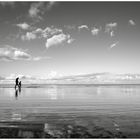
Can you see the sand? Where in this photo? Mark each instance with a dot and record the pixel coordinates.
(70, 112)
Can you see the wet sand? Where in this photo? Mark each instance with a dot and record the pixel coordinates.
(71, 112)
(68, 126)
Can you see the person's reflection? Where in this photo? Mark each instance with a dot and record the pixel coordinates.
(19, 86)
(19, 89)
(16, 93)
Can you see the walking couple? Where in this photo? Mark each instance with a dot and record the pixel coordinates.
(18, 83)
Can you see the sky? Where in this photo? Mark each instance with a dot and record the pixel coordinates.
(69, 38)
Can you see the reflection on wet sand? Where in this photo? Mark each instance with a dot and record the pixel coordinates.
(129, 90)
(70, 112)
(17, 92)
(99, 90)
(52, 93)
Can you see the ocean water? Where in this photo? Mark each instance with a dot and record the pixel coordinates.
(115, 107)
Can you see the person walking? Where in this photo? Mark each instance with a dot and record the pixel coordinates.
(16, 81)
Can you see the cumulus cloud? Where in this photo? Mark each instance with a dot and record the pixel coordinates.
(113, 45)
(109, 28)
(112, 33)
(70, 40)
(41, 33)
(29, 36)
(83, 27)
(57, 39)
(23, 26)
(53, 35)
(13, 76)
(50, 31)
(131, 22)
(111, 25)
(52, 75)
(37, 9)
(95, 30)
(10, 53)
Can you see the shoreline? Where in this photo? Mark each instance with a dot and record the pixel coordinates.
(48, 85)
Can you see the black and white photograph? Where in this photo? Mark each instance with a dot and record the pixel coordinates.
(69, 69)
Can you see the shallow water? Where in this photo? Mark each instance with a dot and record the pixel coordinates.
(109, 107)
(83, 98)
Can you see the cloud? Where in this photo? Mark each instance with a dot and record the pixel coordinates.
(29, 36)
(7, 3)
(112, 33)
(111, 25)
(13, 76)
(41, 33)
(95, 30)
(50, 31)
(37, 9)
(113, 45)
(58, 39)
(109, 28)
(131, 22)
(40, 58)
(53, 35)
(70, 40)
(10, 53)
(83, 27)
(50, 5)
(23, 26)
(52, 75)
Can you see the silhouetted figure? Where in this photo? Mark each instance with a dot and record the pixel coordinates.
(16, 82)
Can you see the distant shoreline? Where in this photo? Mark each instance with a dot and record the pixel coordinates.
(46, 85)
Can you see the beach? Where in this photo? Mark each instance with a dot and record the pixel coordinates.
(70, 111)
